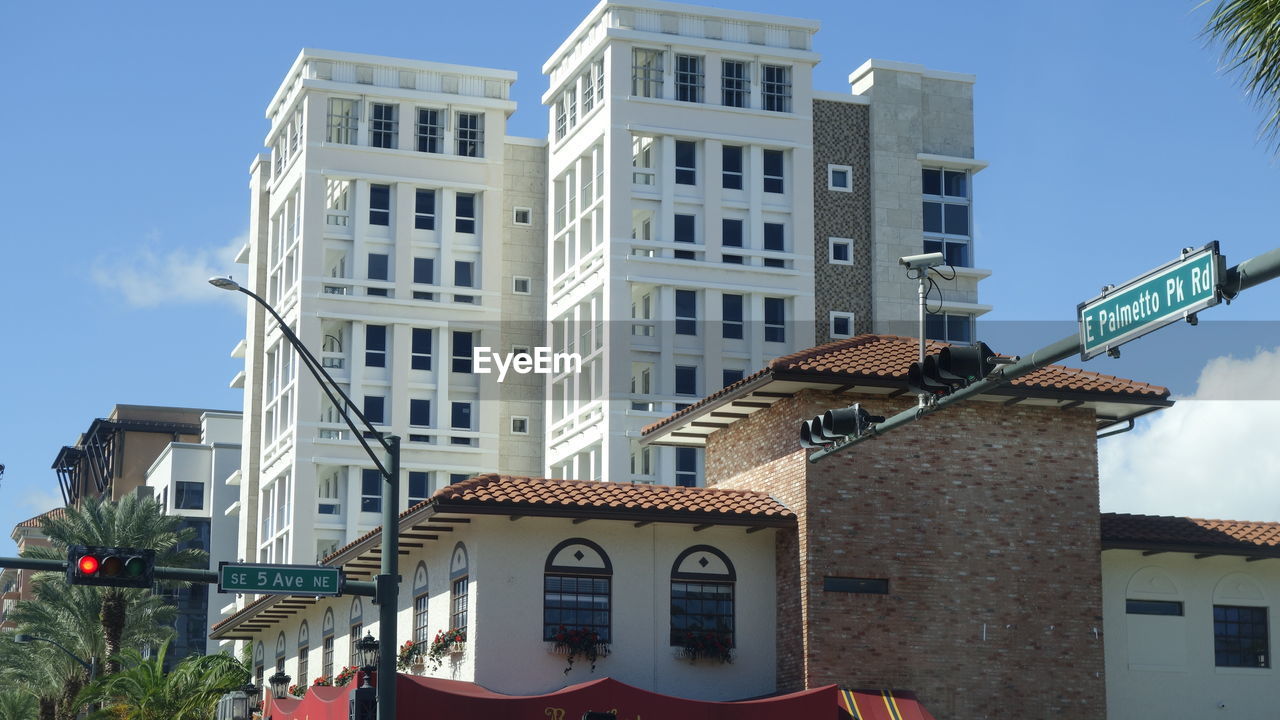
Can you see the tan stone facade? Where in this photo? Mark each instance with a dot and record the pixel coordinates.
(983, 521)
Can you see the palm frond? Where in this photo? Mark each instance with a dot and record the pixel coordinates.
(1249, 33)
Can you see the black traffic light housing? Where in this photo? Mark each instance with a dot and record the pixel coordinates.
(951, 368)
(110, 566)
(834, 425)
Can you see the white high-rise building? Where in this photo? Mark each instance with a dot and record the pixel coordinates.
(396, 227)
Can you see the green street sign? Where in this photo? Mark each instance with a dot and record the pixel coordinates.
(268, 579)
(1162, 296)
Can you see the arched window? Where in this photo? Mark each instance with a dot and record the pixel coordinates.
(259, 659)
(702, 581)
(280, 652)
(357, 624)
(576, 589)
(304, 647)
(1241, 634)
(326, 632)
(458, 585)
(420, 597)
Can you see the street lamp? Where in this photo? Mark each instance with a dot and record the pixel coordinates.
(367, 648)
(91, 666)
(387, 583)
(364, 699)
(279, 684)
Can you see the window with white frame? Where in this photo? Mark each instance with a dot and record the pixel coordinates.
(731, 167)
(424, 273)
(461, 418)
(420, 412)
(384, 125)
(430, 131)
(731, 233)
(946, 214)
(562, 118)
(686, 312)
(464, 214)
(948, 327)
(380, 205)
(522, 216)
(729, 376)
(840, 177)
(419, 487)
(375, 409)
(521, 285)
(774, 162)
(642, 167)
(689, 78)
(424, 209)
(344, 116)
(420, 353)
(469, 128)
(775, 88)
(685, 232)
(687, 467)
(775, 239)
(735, 83)
(464, 275)
(686, 162)
(463, 347)
(375, 345)
(370, 490)
(519, 425)
(379, 269)
(840, 251)
(841, 324)
(731, 316)
(646, 73)
(775, 320)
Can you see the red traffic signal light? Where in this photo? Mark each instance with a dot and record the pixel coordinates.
(110, 566)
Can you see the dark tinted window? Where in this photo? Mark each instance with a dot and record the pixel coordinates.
(420, 412)
(373, 408)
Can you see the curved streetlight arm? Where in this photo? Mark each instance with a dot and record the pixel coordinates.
(326, 382)
(91, 667)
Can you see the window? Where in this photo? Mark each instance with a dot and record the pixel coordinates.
(424, 273)
(370, 490)
(948, 327)
(457, 477)
(686, 162)
(773, 171)
(775, 88)
(460, 419)
(420, 632)
(470, 134)
(840, 177)
(374, 408)
(522, 216)
(702, 584)
(458, 603)
(731, 307)
(686, 312)
(841, 324)
(430, 131)
(840, 251)
(344, 115)
(731, 163)
(562, 118)
(375, 345)
(326, 656)
(419, 487)
(303, 651)
(946, 214)
(775, 319)
(729, 377)
(384, 125)
(420, 350)
(464, 275)
(465, 213)
(735, 84)
(866, 586)
(731, 236)
(689, 78)
(520, 425)
(642, 160)
(685, 226)
(379, 204)
(1240, 637)
(378, 270)
(188, 495)
(419, 412)
(775, 239)
(521, 285)
(424, 209)
(646, 73)
(463, 342)
(686, 467)
(686, 380)
(1153, 607)
(576, 589)
(354, 653)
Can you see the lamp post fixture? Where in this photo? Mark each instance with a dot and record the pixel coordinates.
(279, 684)
(91, 666)
(388, 580)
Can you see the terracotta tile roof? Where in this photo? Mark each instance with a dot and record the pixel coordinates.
(885, 359)
(601, 499)
(1190, 534)
(35, 521)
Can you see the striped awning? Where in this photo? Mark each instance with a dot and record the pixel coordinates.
(883, 705)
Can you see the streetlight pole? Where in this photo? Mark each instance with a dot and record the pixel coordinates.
(387, 582)
(91, 666)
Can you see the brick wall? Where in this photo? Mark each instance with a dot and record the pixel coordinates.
(988, 537)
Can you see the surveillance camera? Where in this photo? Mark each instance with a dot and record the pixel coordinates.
(919, 262)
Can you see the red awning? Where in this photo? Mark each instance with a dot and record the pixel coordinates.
(419, 698)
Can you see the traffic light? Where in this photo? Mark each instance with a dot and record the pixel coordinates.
(834, 425)
(110, 566)
(951, 368)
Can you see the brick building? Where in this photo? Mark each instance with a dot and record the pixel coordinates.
(958, 557)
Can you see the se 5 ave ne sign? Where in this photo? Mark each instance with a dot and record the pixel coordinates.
(279, 579)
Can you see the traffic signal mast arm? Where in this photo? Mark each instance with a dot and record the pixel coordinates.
(1247, 274)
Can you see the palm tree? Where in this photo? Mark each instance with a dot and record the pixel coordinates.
(1249, 33)
(17, 705)
(135, 522)
(143, 691)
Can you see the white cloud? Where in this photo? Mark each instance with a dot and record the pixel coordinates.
(1215, 454)
(152, 276)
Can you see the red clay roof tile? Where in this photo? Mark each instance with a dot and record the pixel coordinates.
(1123, 530)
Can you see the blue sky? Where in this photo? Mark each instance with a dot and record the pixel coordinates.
(129, 129)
